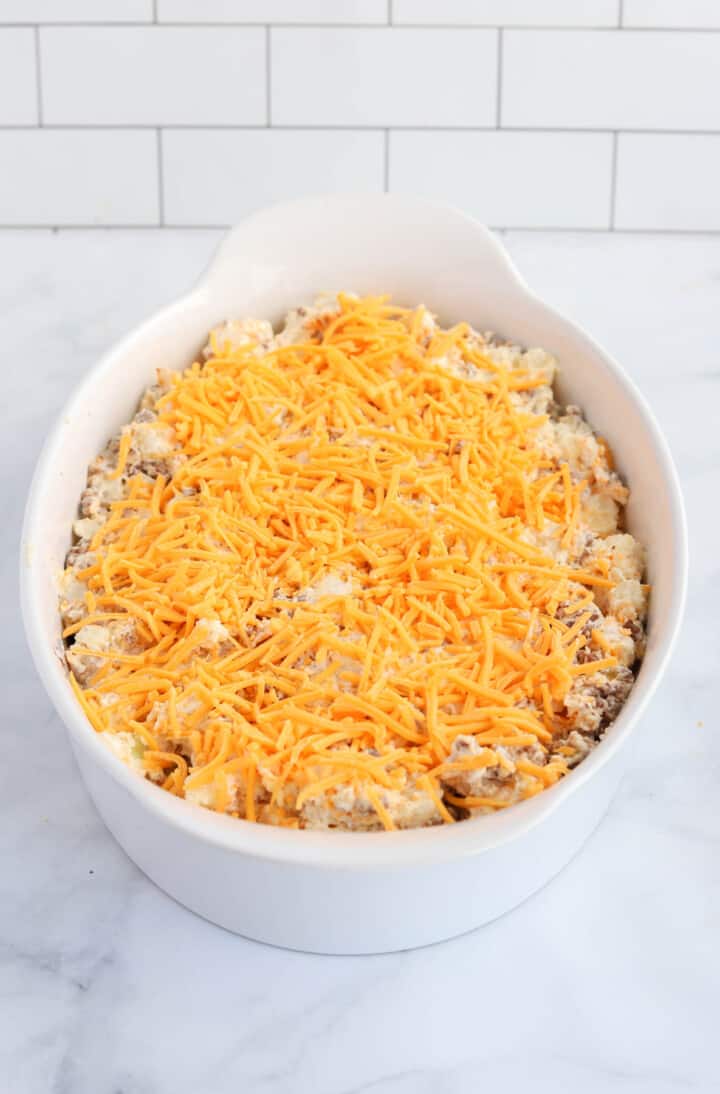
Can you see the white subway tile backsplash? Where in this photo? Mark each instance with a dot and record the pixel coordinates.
(671, 13)
(611, 79)
(153, 75)
(509, 180)
(76, 11)
(273, 11)
(668, 181)
(50, 177)
(218, 176)
(508, 13)
(372, 77)
(528, 113)
(18, 77)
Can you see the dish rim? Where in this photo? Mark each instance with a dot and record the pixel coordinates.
(341, 849)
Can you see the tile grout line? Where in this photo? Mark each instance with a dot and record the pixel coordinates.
(348, 127)
(547, 229)
(218, 25)
(621, 13)
(534, 27)
(613, 180)
(141, 127)
(268, 75)
(386, 161)
(498, 89)
(154, 11)
(390, 12)
(38, 77)
(161, 177)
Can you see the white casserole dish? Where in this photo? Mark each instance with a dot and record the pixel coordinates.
(341, 892)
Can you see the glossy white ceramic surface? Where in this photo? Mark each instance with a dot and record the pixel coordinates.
(342, 892)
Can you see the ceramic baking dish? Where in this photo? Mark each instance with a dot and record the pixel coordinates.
(341, 892)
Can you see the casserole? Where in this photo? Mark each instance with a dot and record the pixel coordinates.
(334, 891)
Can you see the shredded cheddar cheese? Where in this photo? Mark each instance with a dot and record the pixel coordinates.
(340, 576)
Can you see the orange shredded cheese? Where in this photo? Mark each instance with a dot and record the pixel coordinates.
(336, 581)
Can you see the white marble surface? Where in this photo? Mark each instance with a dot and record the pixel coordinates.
(606, 980)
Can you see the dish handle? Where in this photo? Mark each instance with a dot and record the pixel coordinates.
(366, 233)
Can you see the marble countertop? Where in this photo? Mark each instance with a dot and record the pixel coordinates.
(606, 980)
